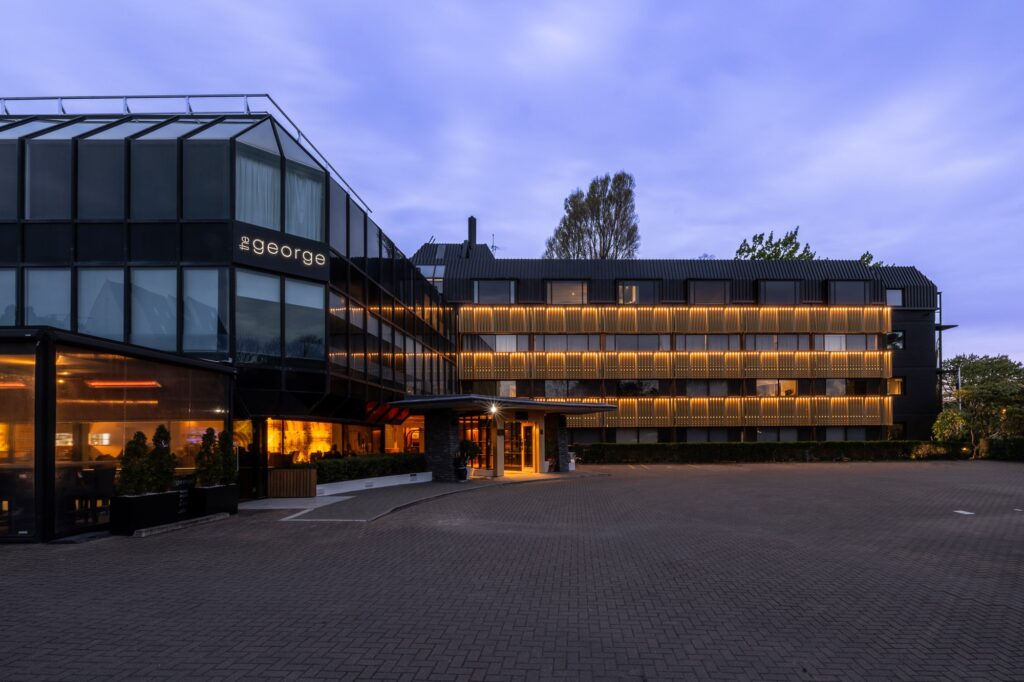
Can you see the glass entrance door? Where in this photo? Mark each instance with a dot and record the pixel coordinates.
(513, 446)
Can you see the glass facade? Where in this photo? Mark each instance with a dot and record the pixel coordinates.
(17, 444)
(257, 316)
(155, 308)
(101, 302)
(206, 316)
(48, 297)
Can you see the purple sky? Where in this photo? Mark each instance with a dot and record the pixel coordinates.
(893, 127)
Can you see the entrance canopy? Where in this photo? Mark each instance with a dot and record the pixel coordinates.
(472, 403)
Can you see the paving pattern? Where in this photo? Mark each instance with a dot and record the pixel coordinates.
(773, 572)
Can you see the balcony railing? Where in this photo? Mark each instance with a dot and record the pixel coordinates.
(542, 319)
(481, 366)
(651, 412)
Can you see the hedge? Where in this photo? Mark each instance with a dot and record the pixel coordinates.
(1009, 449)
(707, 453)
(368, 466)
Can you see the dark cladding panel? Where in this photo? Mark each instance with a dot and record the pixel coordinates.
(154, 180)
(48, 180)
(101, 170)
(8, 179)
(48, 243)
(206, 172)
(100, 242)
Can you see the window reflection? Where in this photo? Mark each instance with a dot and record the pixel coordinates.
(17, 445)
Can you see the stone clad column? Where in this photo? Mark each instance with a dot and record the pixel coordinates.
(441, 443)
(562, 438)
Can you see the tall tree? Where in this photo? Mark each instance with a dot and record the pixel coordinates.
(601, 224)
(788, 247)
(989, 395)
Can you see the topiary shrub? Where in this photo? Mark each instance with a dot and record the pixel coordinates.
(209, 464)
(708, 453)
(1008, 449)
(134, 469)
(371, 466)
(161, 462)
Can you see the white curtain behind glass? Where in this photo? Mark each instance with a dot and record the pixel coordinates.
(304, 202)
(257, 188)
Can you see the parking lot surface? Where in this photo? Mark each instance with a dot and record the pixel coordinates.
(789, 571)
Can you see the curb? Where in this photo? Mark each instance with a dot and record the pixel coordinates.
(179, 525)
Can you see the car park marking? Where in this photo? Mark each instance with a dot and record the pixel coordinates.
(961, 511)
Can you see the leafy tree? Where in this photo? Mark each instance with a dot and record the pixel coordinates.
(209, 464)
(134, 466)
(950, 425)
(868, 258)
(229, 466)
(601, 224)
(161, 462)
(990, 395)
(788, 247)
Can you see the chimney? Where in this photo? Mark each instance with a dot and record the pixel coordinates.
(472, 232)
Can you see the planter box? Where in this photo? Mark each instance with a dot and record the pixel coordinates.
(129, 513)
(216, 499)
(291, 483)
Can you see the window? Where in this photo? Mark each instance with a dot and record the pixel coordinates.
(835, 433)
(895, 386)
(257, 316)
(894, 341)
(303, 320)
(338, 330)
(257, 187)
(48, 298)
(788, 435)
(337, 213)
(761, 342)
(767, 434)
(155, 308)
(697, 388)
(723, 342)
(506, 389)
(637, 293)
(696, 435)
(779, 293)
(637, 387)
(567, 293)
(638, 342)
(101, 303)
(8, 298)
(356, 231)
(510, 343)
(849, 293)
(18, 419)
(494, 292)
(709, 292)
(101, 168)
(718, 388)
(205, 299)
(304, 202)
(831, 342)
(835, 386)
(894, 297)
(791, 342)
(579, 343)
(776, 387)
(206, 173)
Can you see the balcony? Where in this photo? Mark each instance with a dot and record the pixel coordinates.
(540, 319)
(736, 411)
(482, 366)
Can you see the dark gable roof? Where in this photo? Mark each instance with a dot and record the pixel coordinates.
(919, 291)
(428, 253)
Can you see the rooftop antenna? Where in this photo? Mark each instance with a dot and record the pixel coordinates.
(494, 247)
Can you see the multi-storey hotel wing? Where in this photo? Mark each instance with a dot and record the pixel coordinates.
(161, 266)
(698, 350)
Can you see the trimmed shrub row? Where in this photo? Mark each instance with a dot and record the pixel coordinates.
(708, 453)
(1009, 449)
(369, 466)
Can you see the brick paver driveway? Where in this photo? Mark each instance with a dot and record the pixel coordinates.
(819, 571)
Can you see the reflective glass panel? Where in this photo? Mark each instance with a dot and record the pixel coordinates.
(205, 323)
(257, 187)
(155, 308)
(8, 298)
(304, 202)
(304, 319)
(48, 298)
(257, 316)
(101, 302)
(567, 293)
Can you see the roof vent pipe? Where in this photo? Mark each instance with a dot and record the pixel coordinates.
(472, 232)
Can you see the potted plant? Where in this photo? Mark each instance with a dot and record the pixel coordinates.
(467, 450)
(215, 490)
(146, 476)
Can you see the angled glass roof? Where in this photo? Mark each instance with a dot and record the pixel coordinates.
(174, 130)
(27, 128)
(74, 129)
(123, 130)
(293, 151)
(261, 137)
(223, 130)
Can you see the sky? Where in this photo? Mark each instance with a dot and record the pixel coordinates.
(889, 127)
